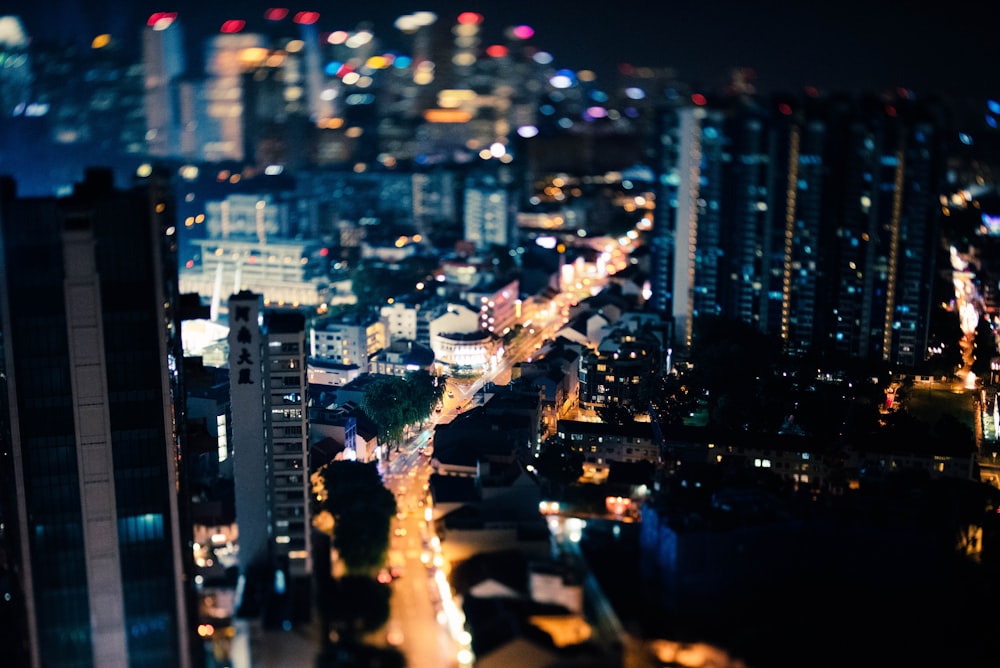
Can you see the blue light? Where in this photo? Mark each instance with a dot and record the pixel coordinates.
(333, 67)
(993, 106)
(402, 62)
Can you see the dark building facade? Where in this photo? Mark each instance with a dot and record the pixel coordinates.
(91, 421)
(812, 219)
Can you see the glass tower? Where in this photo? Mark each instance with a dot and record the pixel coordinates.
(90, 353)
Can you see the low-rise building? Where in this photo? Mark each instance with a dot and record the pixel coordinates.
(601, 443)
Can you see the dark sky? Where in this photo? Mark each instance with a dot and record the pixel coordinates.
(949, 48)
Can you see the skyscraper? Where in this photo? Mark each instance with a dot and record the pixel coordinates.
(267, 367)
(811, 220)
(163, 64)
(91, 351)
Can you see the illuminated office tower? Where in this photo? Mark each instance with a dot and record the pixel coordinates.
(488, 212)
(163, 64)
(92, 418)
(228, 55)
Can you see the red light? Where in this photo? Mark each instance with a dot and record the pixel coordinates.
(812, 91)
(306, 18)
(496, 51)
(785, 109)
(232, 25)
(699, 99)
(161, 16)
(890, 110)
(189, 264)
(275, 14)
(470, 18)
(323, 252)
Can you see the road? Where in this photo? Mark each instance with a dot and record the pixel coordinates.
(424, 623)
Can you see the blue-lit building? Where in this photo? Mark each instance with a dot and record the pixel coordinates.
(812, 220)
(92, 420)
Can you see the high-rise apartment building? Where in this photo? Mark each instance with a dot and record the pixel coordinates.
(286, 357)
(811, 220)
(92, 421)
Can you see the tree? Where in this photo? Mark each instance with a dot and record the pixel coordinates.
(986, 349)
(374, 283)
(350, 607)
(392, 403)
(361, 535)
(362, 510)
(425, 391)
(731, 357)
(615, 413)
(387, 404)
(559, 463)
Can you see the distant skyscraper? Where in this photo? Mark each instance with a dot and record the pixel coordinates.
(225, 64)
(489, 213)
(163, 63)
(91, 367)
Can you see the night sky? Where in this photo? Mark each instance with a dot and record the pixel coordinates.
(950, 48)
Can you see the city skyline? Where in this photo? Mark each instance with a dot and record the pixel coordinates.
(717, 327)
(833, 47)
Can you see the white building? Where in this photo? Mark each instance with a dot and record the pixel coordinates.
(285, 273)
(458, 341)
(349, 340)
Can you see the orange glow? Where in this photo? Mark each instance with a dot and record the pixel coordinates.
(447, 116)
(617, 504)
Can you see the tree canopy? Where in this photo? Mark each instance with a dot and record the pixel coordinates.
(392, 403)
(362, 510)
